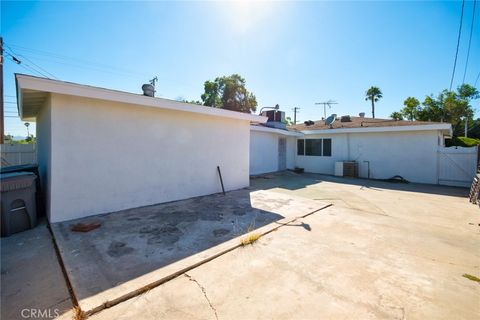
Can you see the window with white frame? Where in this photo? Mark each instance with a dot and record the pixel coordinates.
(314, 147)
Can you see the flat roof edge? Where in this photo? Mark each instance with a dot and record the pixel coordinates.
(427, 127)
(276, 130)
(68, 88)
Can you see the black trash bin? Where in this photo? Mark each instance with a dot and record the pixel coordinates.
(34, 169)
(18, 203)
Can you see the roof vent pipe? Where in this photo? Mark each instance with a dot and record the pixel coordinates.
(148, 90)
(362, 114)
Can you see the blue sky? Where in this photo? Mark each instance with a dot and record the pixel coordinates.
(290, 53)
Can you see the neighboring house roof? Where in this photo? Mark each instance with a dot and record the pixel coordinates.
(362, 124)
(32, 93)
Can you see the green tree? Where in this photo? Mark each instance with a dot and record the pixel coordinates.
(396, 115)
(373, 94)
(411, 108)
(229, 92)
(289, 121)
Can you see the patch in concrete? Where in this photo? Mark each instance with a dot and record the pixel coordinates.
(220, 232)
(118, 249)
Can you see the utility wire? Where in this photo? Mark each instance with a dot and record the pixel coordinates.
(83, 62)
(469, 40)
(458, 45)
(26, 58)
(476, 80)
(24, 65)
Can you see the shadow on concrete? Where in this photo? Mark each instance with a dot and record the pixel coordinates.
(295, 181)
(304, 225)
(134, 242)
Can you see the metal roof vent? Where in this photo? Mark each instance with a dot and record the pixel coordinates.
(149, 88)
(345, 119)
(362, 114)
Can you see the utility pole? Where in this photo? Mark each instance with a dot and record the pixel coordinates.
(295, 110)
(466, 126)
(325, 104)
(1, 93)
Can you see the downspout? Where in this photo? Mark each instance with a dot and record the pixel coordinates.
(348, 146)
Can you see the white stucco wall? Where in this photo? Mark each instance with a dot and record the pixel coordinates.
(412, 155)
(108, 156)
(44, 138)
(264, 151)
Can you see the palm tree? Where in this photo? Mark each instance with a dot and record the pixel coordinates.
(373, 94)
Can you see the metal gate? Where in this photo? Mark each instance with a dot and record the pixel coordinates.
(282, 154)
(457, 166)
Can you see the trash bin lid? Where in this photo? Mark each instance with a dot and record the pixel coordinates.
(19, 168)
(16, 180)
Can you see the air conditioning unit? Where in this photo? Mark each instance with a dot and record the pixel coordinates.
(346, 169)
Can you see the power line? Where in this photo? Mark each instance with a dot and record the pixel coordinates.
(26, 58)
(476, 80)
(458, 45)
(83, 62)
(469, 40)
(24, 65)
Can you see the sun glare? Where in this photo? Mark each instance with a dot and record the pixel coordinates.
(245, 16)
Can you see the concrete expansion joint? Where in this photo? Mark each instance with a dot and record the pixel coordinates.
(204, 291)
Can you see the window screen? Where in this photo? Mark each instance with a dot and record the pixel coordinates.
(327, 147)
(300, 147)
(313, 147)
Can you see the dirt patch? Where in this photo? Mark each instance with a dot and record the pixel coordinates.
(118, 249)
(220, 232)
(166, 235)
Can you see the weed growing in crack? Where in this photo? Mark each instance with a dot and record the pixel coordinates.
(250, 239)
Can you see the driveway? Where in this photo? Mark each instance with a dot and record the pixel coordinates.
(383, 251)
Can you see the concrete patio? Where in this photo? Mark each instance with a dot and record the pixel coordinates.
(382, 251)
(137, 249)
(32, 282)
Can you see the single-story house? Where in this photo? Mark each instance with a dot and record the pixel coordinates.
(102, 150)
(381, 148)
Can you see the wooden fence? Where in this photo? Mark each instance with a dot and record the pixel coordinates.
(15, 154)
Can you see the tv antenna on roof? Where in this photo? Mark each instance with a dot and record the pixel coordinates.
(325, 104)
(153, 81)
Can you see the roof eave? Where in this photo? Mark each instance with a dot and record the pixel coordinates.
(276, 130)
(438, 126)
(67, 88)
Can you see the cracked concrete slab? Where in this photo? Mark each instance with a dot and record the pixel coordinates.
(350, 262)
(136, 249)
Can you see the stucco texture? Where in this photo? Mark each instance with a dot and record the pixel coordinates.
(108, 156)
(412, 155)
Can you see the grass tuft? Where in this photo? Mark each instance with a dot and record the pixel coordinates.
(250, 239)
(78, 314)
(470, 277)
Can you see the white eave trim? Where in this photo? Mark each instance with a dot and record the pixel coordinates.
(427, 127)
(74, 89)
(275, 130)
